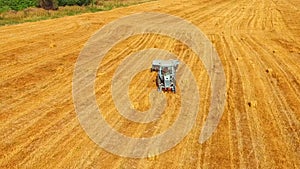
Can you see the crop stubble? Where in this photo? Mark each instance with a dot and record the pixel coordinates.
(258, 44)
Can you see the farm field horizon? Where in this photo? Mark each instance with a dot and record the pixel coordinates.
(258, 43)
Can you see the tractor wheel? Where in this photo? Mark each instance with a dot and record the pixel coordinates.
(158, 83)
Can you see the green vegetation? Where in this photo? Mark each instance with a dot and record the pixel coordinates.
(73, 2)
(6, 5)
(9, 16)
(17, 5)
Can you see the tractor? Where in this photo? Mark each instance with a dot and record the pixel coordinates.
(166, 74)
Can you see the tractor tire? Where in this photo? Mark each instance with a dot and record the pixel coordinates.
(158, 83)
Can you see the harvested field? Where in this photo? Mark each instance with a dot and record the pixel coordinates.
(258, 43)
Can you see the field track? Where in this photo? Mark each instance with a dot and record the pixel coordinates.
(258, 43)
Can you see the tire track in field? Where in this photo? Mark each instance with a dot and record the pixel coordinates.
(278, 97)
(276, 75)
